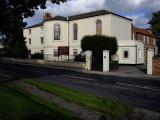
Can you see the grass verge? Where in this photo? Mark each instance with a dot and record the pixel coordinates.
(16, 104)
(106, 105)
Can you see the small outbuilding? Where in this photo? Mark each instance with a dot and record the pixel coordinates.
(130, 52)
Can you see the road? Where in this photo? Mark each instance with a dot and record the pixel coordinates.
(137, 92)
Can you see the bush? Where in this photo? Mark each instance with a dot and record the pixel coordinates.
(80, 58)
(158, 55)
(37, 56)
(17, 49)
(97, 44)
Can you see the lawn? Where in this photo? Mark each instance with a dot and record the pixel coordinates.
(16, 104)
(106, 105)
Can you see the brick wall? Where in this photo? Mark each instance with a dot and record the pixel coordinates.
(146, 37)
(156, 66)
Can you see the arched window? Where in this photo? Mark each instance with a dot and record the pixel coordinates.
(98, 27)
(57, 32)
(75, 31)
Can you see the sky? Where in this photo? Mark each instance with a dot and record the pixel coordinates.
(140, 11)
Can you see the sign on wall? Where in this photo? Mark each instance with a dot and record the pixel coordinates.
(63, 50)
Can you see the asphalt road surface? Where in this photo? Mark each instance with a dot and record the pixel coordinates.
(144, 93)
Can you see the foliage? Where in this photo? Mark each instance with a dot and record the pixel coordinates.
(19, 105)
(12, 14)
(106, 105)
(17, 49)
(155, 26)
(158, 55)
(97, 44)
(37, 56)
(80, 58)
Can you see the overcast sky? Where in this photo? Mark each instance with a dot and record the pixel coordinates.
(138, 10)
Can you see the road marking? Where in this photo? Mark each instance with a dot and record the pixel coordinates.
(139, 86)
(69, 76)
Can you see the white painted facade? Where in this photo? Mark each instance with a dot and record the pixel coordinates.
(112, 25)
(134, 49)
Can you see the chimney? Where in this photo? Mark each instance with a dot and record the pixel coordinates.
(47, 16)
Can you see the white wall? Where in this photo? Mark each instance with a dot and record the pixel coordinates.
(132, 55)
(120, 27)
(35, 36)
(140, 53)
(87, 26)
(50, 44)
(135, 52)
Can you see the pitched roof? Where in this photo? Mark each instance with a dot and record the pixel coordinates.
(36, 25)
(54, 18)
(61, 18)
(80, 16)
(143, 31)
(94, 13)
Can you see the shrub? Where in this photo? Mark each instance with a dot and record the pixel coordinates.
(97, 44)
(37, 56)
(17, 49)
(80, 58)
(158, 55)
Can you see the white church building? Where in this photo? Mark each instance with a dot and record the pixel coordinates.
(58, 31)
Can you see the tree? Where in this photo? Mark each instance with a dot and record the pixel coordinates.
(97, 44)
(12, 13)
(155, 26)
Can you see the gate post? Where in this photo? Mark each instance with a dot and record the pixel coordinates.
(150, 54)
(105, 61)
(88, 60)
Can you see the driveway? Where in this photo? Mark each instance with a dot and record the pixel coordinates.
(131, 69)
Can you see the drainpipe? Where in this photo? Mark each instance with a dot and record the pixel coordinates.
(68, 38)
(136, 54)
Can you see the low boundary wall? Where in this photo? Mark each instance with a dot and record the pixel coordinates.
(67, 64)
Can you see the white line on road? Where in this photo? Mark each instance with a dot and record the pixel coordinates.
(76, 77)
(139, 86)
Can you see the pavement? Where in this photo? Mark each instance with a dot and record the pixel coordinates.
(138, 91)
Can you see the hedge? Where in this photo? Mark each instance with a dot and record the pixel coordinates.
(99, 43)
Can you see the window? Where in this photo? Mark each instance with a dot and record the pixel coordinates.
(98, 27)
(75, 52)
(57, 32)
(42, 40)
(75, 31)
(29, 31)
(29, 41)
(125, 54)
(42, 51)
(55, 52)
